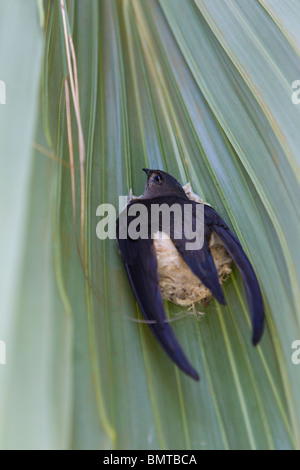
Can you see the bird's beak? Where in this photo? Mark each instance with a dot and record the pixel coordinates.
(147, 171)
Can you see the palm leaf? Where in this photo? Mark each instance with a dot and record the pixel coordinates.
(203, 90)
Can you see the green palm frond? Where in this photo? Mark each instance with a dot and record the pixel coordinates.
(203, 90)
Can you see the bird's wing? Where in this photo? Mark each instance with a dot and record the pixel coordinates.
(234, 248)
(140, 261)
(200, 261)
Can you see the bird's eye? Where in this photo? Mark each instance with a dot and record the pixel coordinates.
(158, 178)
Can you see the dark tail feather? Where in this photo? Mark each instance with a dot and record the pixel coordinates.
(253, 292)
(166, 337)
(152, 307)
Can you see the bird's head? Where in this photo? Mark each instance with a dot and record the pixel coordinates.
(159, 183)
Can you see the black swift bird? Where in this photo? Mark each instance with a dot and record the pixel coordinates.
(165, 268)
